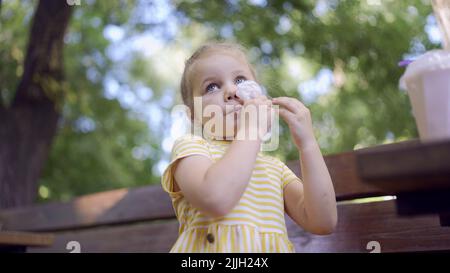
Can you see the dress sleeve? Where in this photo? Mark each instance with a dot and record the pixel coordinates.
(183, 147)
(288, 176)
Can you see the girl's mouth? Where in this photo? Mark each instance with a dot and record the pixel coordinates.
(236, 108)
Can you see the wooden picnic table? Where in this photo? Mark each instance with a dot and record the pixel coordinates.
(417, 173)
(15, 241)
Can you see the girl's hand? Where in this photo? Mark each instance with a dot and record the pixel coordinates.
(298, 118)
(255, 118)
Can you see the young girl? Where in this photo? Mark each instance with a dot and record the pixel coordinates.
(227, 195)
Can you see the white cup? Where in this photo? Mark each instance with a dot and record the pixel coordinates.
(427, 81)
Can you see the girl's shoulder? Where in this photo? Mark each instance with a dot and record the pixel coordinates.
(272, 160)
(189, 139)
(189, 144)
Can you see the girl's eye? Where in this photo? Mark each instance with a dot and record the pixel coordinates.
(240, 79)
(211, 87)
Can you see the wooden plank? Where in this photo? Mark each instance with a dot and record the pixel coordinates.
(130, 238)
(111, 207)
(358, 225)
(406, 144)
(421, 166)
(343, 172)
(13, 238)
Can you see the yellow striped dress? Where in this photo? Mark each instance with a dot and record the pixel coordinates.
(256, 223)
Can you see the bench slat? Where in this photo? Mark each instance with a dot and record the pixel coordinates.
(360, 224)
(13, 238)
(399, 168)
(130, 238)
(111, 207)
(345, 177)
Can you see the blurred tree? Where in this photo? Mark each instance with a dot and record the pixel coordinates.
(360, 42)
(99, 144)
(29, 122)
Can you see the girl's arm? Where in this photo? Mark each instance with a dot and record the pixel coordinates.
(312, 204)
(215, 188)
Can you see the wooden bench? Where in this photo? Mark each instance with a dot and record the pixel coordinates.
(142, 219)
(13, 241)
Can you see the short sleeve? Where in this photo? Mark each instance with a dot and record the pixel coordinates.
(183, 147)
(288, 176)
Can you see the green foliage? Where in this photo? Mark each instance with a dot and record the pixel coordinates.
(104, 144)
(98, 137)
(14, 25)
(361, 41)
(84, 161)
(99, 143)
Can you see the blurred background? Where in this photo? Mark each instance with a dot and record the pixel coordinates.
(122, 63)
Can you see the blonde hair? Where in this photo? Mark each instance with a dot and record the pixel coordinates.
(186, 86)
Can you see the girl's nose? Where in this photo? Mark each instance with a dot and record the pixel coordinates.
(230, 92)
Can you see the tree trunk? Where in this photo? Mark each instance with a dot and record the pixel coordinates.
(29, 124)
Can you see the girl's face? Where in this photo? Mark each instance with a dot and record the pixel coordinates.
(214, 78)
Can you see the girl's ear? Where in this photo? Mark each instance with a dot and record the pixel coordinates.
(189, 114)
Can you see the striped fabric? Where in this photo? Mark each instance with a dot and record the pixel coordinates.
(256, 224)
